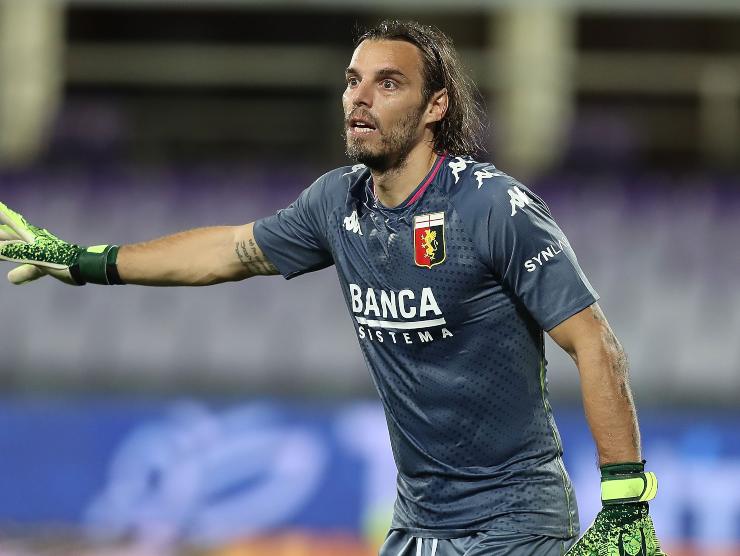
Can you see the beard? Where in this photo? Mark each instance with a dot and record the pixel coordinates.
(394, 148)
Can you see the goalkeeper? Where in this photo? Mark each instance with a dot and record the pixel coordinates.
(452, 272)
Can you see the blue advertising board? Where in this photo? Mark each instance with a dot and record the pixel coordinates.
(203, 473)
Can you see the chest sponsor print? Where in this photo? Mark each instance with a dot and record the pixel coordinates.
(429, 239)
(397, 317)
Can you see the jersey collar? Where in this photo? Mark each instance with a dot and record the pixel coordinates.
(416, 194)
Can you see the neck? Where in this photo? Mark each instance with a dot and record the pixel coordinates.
(393, 186)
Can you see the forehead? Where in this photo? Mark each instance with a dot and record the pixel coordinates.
(373, 55)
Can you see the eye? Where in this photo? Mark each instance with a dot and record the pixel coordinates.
(352, 82)
(388, 84)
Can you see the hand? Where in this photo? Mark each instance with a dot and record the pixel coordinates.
(619, 530)
(623, 527)
(40, 252)
(26, 272)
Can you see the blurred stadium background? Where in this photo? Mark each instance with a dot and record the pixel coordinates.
(224, 421)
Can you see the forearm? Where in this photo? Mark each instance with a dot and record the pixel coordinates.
(198, 257)
(623, 525)
(607, 400)
(610, 412)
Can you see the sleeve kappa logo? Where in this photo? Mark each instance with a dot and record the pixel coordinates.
(429, 239)
(517, 199)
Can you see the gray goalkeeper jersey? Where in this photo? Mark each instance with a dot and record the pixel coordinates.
(449, 294)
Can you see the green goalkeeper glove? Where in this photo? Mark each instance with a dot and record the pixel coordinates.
(40, 252)
(623, 527)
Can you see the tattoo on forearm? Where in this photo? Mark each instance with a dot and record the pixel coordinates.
(252, 259)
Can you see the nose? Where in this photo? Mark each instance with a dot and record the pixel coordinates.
(361, 95)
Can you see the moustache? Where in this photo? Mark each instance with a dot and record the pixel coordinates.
(360, 114)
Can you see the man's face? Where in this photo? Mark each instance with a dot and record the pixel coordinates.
(383, 103)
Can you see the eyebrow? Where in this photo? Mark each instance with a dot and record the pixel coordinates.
(381, 73)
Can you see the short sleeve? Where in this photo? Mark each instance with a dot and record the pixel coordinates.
(531, 256)
(294, 239)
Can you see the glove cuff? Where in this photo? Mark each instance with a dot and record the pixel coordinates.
(97, 265)
(626, 483)
(617, 469)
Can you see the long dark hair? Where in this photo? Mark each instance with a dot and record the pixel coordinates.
(461, 130)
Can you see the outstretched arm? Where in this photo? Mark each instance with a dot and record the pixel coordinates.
(607, 398)
(198, 257)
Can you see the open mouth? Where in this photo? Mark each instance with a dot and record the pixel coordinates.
(361, 126)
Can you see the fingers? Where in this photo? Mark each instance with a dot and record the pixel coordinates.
(8, 251)
(6, 255)
(28, 273)
(25, 273)
(8, 237)
(7, 233)
(17, 223)
(63, 275)
(21, 252)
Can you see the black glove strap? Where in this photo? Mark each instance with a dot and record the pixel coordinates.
(111, 268)
(616, 469)
(97, 265)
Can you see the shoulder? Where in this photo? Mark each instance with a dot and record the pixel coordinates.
(342, 178)
(480, 187)
(332, 188)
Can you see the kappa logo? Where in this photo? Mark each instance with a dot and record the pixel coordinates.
(429, 239)
(352, 223)
(458, 165)
(481, 175)
(518, 199)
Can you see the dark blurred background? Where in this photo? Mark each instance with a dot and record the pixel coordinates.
(239, 420)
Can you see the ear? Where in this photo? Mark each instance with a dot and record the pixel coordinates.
(437, 107)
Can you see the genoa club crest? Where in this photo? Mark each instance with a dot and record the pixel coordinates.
(429, 239)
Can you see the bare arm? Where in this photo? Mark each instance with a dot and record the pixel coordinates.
(198, 257)
(607, 398)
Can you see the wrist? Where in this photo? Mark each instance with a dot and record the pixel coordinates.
(96, 265)
(623, 468)
(627, 483)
